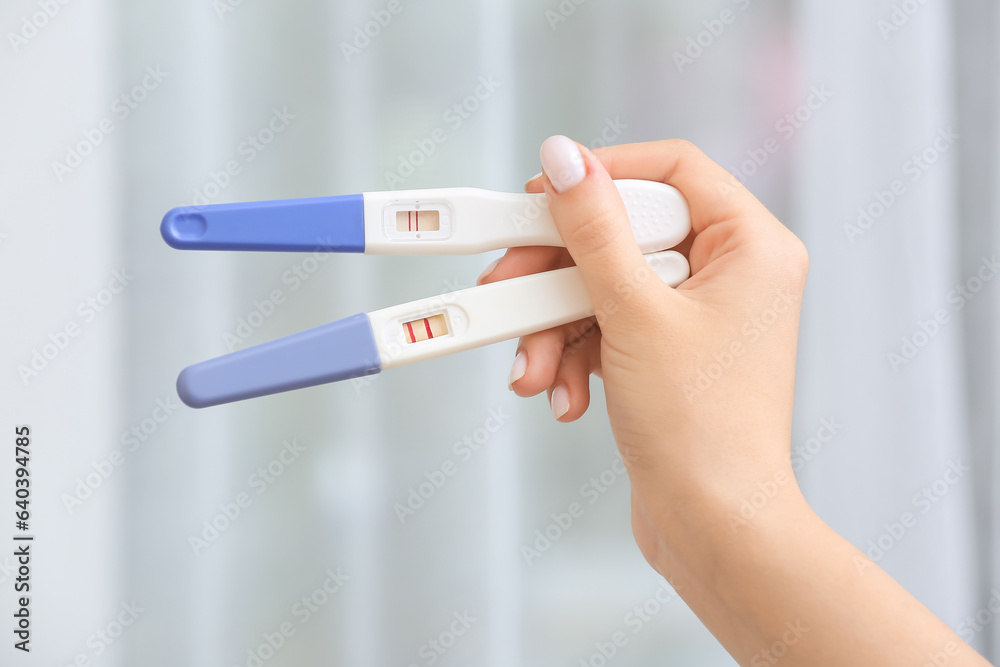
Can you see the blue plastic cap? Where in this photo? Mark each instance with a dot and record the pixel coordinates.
(323, 224)
(337, 351)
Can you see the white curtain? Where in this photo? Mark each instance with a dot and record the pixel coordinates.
(321, 559)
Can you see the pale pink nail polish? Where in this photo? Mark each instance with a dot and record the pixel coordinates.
(518, 368)
(559, 401)
(562, 162)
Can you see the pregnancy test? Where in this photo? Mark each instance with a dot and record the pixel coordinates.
(444, 221)
(369, 343)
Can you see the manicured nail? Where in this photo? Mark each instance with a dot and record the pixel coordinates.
(538, 175)
(562, 162)
(559, 401)
(518, 368)
(488, 270)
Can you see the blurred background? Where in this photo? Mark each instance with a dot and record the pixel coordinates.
(314, 527)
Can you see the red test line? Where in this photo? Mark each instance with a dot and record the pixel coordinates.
(409, 328)
(427, 325)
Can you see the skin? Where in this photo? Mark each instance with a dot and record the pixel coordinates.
(772, 583)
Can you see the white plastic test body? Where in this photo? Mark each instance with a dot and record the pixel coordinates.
(368, 343)
(463, 221)
(487, 314)
(445, 221)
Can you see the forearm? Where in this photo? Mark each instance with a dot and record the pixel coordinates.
(777, 584)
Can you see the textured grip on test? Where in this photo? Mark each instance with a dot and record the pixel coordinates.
(658, 213)
(321, 224)
(340, 350)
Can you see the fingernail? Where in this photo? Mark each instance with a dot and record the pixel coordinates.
(518, 368)
(538, 175)
(562, 162)
(488, 270)
(559, 401)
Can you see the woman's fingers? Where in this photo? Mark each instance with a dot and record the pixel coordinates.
(569, 396)
(559, 361)
(536, 362)
(524, 261)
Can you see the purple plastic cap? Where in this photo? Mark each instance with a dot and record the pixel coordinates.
(337, 351)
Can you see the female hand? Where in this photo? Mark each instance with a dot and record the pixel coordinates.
(699, 379)
(699, 385)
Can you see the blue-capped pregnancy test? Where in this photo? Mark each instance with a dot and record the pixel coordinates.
(439, 221)
(446, 221)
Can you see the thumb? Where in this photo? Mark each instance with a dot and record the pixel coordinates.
(591, 218)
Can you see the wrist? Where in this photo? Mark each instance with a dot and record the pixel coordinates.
(703, 525)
